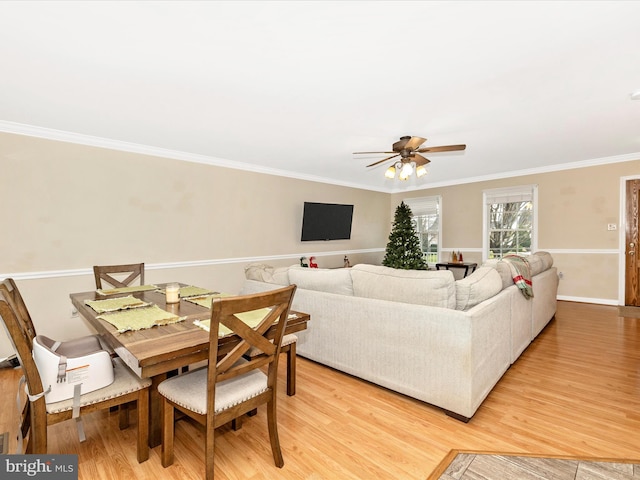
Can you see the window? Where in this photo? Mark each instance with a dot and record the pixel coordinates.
(510, 221)
(426, 217)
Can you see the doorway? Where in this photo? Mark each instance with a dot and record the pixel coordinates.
(631, 247)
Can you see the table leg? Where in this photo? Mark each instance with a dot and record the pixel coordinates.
(155, 411)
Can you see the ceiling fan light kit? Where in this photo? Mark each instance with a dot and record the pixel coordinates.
(407, 170)
(391, 172)
(408, 148)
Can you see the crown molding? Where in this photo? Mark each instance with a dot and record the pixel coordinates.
(100, 142)
(594, 162)
(70, 137)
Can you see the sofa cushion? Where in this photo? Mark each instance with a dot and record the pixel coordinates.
(503, 270)
(420, 287)
(267, 273)
(544, 261)
(482, 284)
(535, 264)
(328, 280)
(538, 263)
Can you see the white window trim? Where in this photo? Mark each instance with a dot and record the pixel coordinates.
(503, 195)
(422, 206)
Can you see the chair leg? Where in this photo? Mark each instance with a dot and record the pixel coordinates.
(143, 425)
(273, 433)
(291, 369)
(123, 416)
(209, 448)
(236, 423)
(38, 424)
(167, 433)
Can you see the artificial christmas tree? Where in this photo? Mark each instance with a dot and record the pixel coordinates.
(403, 249)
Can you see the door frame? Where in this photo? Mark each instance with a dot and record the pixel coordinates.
(622, 237)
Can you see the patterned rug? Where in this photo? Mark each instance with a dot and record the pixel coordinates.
(459, 465)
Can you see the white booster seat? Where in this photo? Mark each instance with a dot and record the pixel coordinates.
(63, 365)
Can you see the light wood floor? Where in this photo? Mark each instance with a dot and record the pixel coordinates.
(574, 391)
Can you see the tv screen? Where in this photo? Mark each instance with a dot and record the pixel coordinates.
(326, 221)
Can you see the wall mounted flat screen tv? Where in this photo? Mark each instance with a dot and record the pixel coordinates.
(326, 221)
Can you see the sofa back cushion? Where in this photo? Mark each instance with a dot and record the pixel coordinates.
(538, 263)
(482, 284)
(328, 280)
(267, 273)
(420, 287)
(502, 269)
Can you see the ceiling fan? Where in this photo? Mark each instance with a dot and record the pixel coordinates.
(408, 149)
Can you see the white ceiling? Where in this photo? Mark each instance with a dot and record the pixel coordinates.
(296, 87)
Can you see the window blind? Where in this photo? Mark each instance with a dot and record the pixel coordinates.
(424, 205)
(522, 193)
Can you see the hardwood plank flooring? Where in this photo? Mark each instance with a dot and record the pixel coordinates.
(575, 391)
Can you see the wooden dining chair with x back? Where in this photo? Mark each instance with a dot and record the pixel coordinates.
(11, 290)
(231, 385)
(118, 276)
(38, 411)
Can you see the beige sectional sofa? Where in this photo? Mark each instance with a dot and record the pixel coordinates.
(424, 334)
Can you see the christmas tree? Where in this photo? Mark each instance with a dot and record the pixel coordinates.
(403, 249)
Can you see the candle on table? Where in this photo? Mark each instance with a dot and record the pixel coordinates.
(173, 293)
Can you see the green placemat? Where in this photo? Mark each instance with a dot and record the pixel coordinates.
(252, 318)
(136, 288)
(114, 304)
(140, 318)
(190, 291)
(206, 300)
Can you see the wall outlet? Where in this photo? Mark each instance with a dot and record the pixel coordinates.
(74, 312)
(612, 226)
(560, 275)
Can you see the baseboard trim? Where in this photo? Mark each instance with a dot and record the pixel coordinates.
(599, 301)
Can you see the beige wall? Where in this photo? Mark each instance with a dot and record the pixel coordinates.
(76, 206)
(68, 207)
(574, 208)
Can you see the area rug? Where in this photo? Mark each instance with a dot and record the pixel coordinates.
(629, 312)
(464, 465)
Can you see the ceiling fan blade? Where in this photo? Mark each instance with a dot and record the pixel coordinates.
(414, 143)
(358, 153)
(419, 159)
(383, 160)
(445, 148)
(400, 144)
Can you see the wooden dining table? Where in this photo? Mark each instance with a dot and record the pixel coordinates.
(161, 350)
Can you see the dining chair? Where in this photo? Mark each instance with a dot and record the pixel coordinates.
(105, 273)
(112, 275)
(288, 346)
(11, 290)
(85, 344)
(36, 414)
(231, 385)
